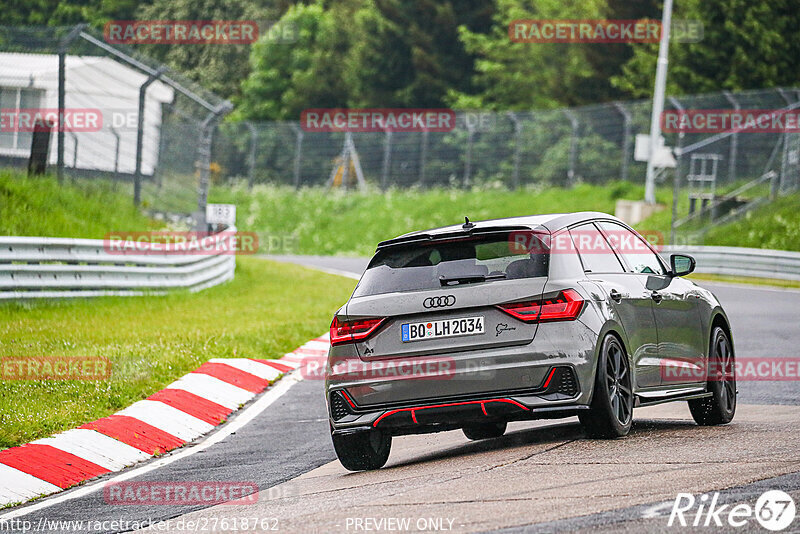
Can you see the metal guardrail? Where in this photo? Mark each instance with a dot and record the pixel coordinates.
(49, 267)
(736, 261)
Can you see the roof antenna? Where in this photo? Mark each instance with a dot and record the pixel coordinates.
(467, 225)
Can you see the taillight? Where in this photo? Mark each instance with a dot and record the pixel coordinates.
(566, 306)
(351, 331)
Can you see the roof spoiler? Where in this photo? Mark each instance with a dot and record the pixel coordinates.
(456, 234)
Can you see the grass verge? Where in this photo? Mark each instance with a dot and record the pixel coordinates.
(351, 224)
(267, 310)
(771, 282)
(91, 208)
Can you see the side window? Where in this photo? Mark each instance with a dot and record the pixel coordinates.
(633, 248)
(595, 253)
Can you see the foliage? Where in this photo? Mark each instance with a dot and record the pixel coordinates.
(746, 45)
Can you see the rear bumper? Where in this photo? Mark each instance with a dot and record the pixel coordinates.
(557, 397)
(550, 377)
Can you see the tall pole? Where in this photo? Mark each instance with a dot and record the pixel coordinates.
(658, 102)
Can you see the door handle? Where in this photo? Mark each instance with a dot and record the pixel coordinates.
(656, 296)
(616, 296)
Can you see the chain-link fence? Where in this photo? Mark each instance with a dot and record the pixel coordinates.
(592, 144)
(124, 116)
(168, 135)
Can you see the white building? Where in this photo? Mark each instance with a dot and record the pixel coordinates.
(30, 81)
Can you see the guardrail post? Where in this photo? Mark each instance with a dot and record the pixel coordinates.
(137, 173)
(63, 45)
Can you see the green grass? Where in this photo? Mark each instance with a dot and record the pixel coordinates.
(267, 310)
(88, 208)
(772, 282)
(351, 224)
(776, 226)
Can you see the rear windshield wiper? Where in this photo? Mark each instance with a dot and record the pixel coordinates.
(469, 278)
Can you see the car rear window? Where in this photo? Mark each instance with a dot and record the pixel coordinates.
(434, 264)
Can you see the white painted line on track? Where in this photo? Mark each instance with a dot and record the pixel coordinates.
(243, 418)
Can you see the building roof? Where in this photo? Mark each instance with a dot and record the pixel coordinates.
(85, 74)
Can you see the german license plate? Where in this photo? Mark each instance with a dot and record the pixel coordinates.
(463, 326)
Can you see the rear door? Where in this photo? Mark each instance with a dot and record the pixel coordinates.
(626, 295)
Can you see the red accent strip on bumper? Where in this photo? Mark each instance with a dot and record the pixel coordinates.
(416, 408)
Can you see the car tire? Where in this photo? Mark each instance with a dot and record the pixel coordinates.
(362, 451)
(610, 414)
(720, 408)
(484, 430)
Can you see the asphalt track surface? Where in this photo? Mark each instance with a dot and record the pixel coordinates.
(542, 476)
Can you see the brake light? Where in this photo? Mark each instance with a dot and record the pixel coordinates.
(566, 306)
(343, 332)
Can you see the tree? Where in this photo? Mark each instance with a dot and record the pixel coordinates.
(286, 79)
(218, 67)
(745, 46)
(407, 54)
(512, 75)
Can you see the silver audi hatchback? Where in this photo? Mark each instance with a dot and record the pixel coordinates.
(474, 325)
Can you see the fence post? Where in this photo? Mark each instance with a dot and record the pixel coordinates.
(298, 154)
(74, 150)
(204, 157)
(115, 133)
(137, 175)
(626, 139)
(676, 180)
(517, 148)
(387, 159)
(734, 147)
(785, 153)
(573, 147)
(251, 157)
(468, 156)
(423, 158)
(63, 45)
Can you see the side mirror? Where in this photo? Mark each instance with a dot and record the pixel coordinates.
(681, 264)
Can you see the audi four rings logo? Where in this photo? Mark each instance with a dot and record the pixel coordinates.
(439, 302)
